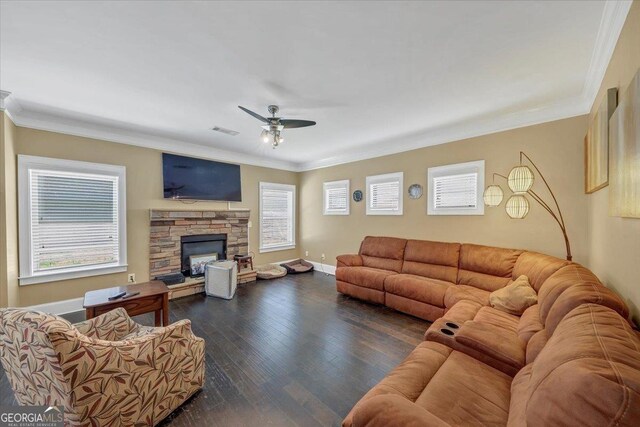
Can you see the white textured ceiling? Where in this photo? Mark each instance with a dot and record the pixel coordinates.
(378, 77)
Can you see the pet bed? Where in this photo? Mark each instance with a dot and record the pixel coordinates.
(270, 271)
(298, 266)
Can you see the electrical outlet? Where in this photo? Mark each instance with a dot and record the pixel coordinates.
(249, 224)
(306, 253)
(131, 278)
(323, 257)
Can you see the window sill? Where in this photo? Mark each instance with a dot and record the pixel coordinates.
(277, 248)
(389, 213)
(66, 275)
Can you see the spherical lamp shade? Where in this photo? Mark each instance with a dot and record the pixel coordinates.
(520, 179)
(493, 195)
(517, 206)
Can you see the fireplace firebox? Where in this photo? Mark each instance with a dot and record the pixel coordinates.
(201, 244)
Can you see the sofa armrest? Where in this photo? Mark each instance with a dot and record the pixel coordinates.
(350, 260)
(493, 341)
(393, 410)
(110, 326)
(490, 344)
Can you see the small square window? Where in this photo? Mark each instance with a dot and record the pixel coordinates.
(336, 197)
(384, 194)
(456, 189)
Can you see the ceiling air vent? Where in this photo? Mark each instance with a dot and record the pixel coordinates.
(223, 130)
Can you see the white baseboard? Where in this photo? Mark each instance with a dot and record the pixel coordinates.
(329, 269)
(60, 307)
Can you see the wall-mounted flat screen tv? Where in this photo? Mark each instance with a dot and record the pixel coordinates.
(199, 179)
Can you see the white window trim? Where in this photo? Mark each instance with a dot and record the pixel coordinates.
(25, 163)
(335, 184)
(399, 176)
(285, 187)
(455, 169)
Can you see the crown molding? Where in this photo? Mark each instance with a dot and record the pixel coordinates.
(613, 18)
(460, 131)
(89, 129)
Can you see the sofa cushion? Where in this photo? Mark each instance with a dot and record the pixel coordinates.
(514, 298)
(415, 308)
(570, 287)
(537, 267)
(529, 323)
(535, 345)
(410, 377)
(423, 289)
(385, 253)
(462, 292)
(436, 260)
(363, 276)
(588, 372)
(467, 392)
(449, 386)
(486, 267)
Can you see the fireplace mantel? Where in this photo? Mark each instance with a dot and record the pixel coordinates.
(168, 226)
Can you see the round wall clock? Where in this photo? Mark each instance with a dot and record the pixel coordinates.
(357, 196)
(415, 191)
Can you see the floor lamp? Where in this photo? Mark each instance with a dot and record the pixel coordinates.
(520, 181)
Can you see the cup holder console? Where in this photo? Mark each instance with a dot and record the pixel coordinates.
(452, 325)
(447, 332)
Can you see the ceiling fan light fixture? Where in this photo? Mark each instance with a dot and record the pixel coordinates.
(274, 125)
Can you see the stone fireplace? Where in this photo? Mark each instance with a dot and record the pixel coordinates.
(226, 233)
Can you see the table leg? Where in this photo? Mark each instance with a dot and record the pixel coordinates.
(165, 309)
(157, 320)
(89, 313)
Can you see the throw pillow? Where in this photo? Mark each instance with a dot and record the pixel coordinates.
(514, 298)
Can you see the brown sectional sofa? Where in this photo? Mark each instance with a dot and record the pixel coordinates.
(570, 359)
(425, 279)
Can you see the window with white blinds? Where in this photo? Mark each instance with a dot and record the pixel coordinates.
(336, 197)
(384, 194)
(277, 216)
(456, 189)
(72, 219)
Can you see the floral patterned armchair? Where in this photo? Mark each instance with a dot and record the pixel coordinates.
(105, 371)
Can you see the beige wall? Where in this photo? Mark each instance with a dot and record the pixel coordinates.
(556, 147)
(614, 243)
(144, 192)
(8, 214)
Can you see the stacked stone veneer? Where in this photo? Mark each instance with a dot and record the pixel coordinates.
(168, 226)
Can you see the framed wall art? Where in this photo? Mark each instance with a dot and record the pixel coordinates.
(596, 145)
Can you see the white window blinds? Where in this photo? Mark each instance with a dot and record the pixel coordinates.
(277, 216)
(71, 219)
(74, 220)
(336, 197)
(456, 189)
(384, 194)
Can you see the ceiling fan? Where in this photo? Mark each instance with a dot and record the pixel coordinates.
(274, 125)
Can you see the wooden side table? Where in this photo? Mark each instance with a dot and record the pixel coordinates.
(153, 296)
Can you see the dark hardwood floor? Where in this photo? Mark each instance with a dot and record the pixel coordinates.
(290, 351)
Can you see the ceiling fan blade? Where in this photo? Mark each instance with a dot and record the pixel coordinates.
(256, 115)
(289, 123)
